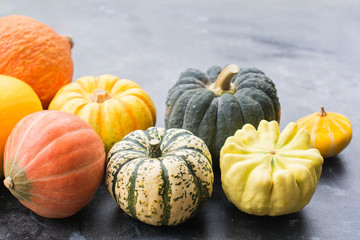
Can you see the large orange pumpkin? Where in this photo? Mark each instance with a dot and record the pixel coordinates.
(53, 163)
(35, 53)
(113, 107)
(17, 99)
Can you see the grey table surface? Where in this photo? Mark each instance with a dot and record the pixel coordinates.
(310, 49)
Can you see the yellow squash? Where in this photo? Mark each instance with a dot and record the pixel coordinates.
(17, 100)
(113, 107)
(330, 132)
(265, 172)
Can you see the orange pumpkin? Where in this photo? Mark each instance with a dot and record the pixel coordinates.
(35, 53)
(113, 107)
(53, 163)
(17, 99)
(329, 132)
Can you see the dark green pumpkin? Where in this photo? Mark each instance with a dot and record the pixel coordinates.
(216, 104)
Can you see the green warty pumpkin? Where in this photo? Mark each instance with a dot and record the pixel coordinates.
(160, 177)
(216, 104)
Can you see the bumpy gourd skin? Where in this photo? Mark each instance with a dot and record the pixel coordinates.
(265, 172)
(193, 106)
(34, 53)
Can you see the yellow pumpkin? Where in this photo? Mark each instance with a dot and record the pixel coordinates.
(330, 132)
(265, 172)
(113, 107)
(17, 100)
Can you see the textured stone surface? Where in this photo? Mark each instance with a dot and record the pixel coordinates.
(310, 49)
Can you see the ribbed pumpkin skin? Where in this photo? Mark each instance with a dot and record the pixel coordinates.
(34, 53)
(165, 190)
(330, 133)
(17, 99)
(192, 106)
(56, 162)
(125, 108)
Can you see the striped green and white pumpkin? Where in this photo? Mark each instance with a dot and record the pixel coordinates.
(160, 176)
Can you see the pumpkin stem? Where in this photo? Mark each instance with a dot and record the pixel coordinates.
(71, 41)
(322, 112)
(154, 149)
(9, 183)
(223, 82)
(100, 96)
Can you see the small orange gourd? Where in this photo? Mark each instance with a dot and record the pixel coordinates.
(113, 107)
(330, 132)
(17, 99)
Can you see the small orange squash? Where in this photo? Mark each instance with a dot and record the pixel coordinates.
(33, 52)
(17, 99)
(330, 132)
(54, 163)
(113, 107)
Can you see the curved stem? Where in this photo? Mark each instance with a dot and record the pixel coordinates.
(154, 148)
(223, 81)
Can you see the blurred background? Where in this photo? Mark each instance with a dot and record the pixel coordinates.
(305, 47)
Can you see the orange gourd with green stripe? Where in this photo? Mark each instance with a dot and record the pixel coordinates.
(330, 132)
(113, 107)
(54, 163)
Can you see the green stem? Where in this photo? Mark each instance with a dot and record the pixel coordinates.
(154, 148)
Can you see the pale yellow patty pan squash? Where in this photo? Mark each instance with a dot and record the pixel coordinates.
(265, 172)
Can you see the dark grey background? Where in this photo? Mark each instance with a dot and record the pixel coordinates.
(310, 49)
